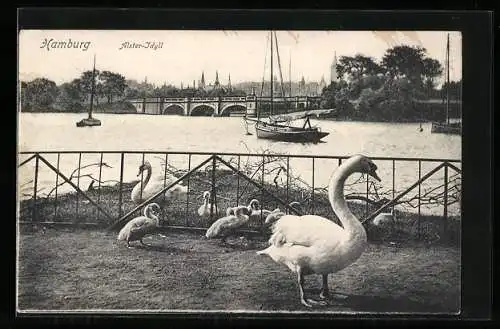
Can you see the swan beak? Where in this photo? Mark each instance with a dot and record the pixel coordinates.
(374, 175)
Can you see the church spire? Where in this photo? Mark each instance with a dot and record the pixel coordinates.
(229, 82)
(334, 76)
(216, 78)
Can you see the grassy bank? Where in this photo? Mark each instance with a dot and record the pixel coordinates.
(67, 269)
(75, 208)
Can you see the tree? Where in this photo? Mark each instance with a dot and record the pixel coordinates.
(70, 97)
(405, 61)
(431, 70)
(357, 66)
(113, 84)
(40, 94)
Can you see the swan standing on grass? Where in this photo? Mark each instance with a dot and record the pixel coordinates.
(152, 186)
(312, 244)
(225, 226)
(139, 227)
(205, 208)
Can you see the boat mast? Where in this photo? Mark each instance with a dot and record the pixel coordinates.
(92, 91)
(448, 79)
(290, 73)
(272, 80)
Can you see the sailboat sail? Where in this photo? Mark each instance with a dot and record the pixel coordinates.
(299, 115)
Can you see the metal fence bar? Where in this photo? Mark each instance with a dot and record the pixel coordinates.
(402, 194)
(419, 201)
(142, 178)
(27, 160)
(99, 184)
(120, 195)
(164, 183)
(186, 175)
(78, 184)
(188, 185)
(393, 178)
(262, 186)
(445, 201)
(249, 180)
(238, 183)
(340, 157)
(312, 196)
(35, 188)
(287, 180)
(214, 192)
(67, 180)
(57, 184)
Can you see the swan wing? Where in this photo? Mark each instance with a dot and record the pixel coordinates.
(224, 225)
(305, 231)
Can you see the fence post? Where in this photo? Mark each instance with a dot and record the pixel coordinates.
(187, 194)
(99, 187)
(35, 187)
(312, 196)
(262, 189)
(57, 184)
(287, 181)
(238, 182)
(165, 184)
(419, 199)
(120, 195)
(214, 196)
(445, 201)
(78, 185)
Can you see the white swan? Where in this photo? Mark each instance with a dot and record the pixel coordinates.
(384, 218)
(152, 186)
(205, 208)
(312, 244)
(141, 226)
(225, 226)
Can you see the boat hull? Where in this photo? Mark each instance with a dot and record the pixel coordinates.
(289, 134)
(443, 128)
(88, 122)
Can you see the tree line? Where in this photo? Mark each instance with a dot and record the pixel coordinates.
(110, 93)
(394, 89)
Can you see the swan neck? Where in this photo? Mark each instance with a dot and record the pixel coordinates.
(146, 179)
(338, 202)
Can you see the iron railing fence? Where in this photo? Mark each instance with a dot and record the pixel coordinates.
(95, 187)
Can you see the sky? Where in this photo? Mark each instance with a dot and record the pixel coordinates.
(241, 54)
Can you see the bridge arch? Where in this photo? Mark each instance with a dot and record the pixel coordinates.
(203, 110)
(173, 109)
(233, 108)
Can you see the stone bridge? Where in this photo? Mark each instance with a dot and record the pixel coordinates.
(212, 106)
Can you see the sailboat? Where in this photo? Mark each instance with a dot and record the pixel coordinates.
(279, 128)
(90, 121)
(447, 127)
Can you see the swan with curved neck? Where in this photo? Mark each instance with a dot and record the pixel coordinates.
(225, 226)
(311, 244)
(205, 208)
(148, 187)
(139, 227)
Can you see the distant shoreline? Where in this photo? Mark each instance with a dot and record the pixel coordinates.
(209, 116)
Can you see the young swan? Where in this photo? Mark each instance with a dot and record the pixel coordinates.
(139, 227)
(204, 209)
(226, 226)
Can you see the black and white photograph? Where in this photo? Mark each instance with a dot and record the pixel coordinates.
(242, 171)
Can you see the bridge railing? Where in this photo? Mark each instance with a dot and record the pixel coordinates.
(95, 187)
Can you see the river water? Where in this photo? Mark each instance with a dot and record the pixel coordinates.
(130, 132)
